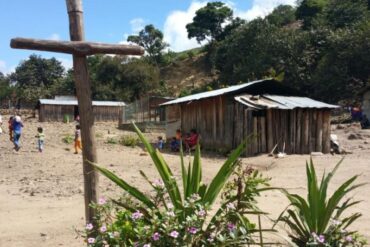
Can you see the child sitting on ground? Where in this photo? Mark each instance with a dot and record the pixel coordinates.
(176, 141)
(78, 139)
(160, 143)
(191, 140)
(40, 139)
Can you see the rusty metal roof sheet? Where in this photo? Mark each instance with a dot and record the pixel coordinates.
(260, 102)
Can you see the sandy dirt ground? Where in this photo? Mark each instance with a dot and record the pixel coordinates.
(41, 194)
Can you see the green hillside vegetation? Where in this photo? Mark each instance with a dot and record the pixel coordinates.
(321, 47)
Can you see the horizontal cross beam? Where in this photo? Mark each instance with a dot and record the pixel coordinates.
(82, 48)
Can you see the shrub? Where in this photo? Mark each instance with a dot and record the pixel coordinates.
(112, 140)
(68, 139)
(171, 217)
(318, 220)
(129, 140)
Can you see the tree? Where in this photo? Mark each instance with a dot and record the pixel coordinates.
(282, 15)
(140, 78)
(152, 40)
(309, 9)
(209, 21)
(340, 14)
(36, 76)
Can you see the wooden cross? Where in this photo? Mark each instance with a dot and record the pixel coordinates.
(80, 49)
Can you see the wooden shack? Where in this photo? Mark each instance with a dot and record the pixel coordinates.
(267, 111)
(61, 107)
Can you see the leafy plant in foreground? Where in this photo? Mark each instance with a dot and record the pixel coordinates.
(318, 220)
(174, 217)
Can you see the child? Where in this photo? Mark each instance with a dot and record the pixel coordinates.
(160, 143)
(176, 141)
(78, 139)
(40, 139)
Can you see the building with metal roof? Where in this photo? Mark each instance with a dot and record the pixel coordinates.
(273, 113)
(66, 107)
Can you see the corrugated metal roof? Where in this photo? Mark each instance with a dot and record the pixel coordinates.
(74, 102)
(280, 102)
(209, 94)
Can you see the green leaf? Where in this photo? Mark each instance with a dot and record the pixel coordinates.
(223, 175)
(128, 188)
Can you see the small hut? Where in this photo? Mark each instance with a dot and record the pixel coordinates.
(274, 114)
(62, 107)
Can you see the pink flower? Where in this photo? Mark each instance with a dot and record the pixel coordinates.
(174, 234)
(349, 239)
(156, 236)
(321, 239)
(201, 213)
(137, 215)
(91, 240)
(192, 230)
(103, 229)
(230, 206)
(89, 226)
(146, 245)
(170, 206)
(158, 184)
(231, 227)
(102, 201)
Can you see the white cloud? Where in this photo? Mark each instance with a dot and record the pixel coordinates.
(261, 8)
(54, 36)
(174, 29)
(137, 25)
(5, 69)
(175, 25)
(67, 63)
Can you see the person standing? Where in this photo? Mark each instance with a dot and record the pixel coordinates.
(78, 139)
(17, 131)
(40, 139)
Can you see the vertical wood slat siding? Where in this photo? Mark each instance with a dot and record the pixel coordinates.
(224, 125)
(57, 112)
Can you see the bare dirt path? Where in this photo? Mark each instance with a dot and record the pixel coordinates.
(41, 194)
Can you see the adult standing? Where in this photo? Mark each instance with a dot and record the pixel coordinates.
(17, 131)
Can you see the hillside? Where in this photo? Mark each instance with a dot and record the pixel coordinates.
(187, 72)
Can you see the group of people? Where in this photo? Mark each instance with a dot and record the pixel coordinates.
(15, 127)
(189, 141)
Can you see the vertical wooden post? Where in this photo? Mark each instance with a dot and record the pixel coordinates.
(326, 132)
(83, 90)
(319, 131)
(298, 132)
(270, 139)
(305, 132)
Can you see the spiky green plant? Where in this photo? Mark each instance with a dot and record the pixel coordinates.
(193, 187)
(315, 215)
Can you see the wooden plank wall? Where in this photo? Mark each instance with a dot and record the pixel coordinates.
(298, 131)
(224, 124)
(57, 113)
(212, 118)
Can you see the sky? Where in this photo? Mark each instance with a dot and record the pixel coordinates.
(109, 21)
